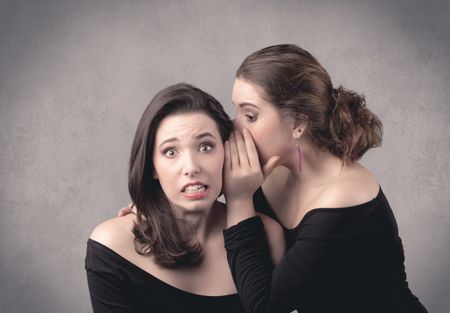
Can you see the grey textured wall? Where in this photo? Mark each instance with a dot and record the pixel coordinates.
(75, 77)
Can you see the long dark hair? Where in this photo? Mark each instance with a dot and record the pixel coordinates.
(295, 82)
(156, 231)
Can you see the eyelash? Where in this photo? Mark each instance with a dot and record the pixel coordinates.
(251, 118)
(209, 144)
(167, 150)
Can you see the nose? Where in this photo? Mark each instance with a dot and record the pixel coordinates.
(191, 166)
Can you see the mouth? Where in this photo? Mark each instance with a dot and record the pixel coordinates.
(195, 190)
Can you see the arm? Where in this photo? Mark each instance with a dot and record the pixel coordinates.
(243, 175)
(262, 286)
(275, 238)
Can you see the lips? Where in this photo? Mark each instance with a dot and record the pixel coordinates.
(195, 190)
(194, 187)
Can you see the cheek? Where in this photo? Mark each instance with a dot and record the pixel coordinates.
(165, 175)
(215, 167)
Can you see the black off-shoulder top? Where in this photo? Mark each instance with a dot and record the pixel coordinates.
(119, 286)
(337, 260)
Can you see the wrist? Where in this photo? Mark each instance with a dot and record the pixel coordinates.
(239, 203)
(239, 210)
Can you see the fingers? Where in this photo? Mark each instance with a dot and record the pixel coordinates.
(243, 179)
(131, 208)
(123, 211)
(242, 150)
(227, 162)
(253, 157)
(234, 155)
(270, 165)
(250, 147)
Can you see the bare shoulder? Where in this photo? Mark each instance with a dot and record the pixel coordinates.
(115, 233)
(356, 186)
(275, 237)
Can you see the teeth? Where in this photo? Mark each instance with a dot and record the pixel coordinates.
(194, 188)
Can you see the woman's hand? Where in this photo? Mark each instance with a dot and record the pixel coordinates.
(242, 175)
(127, 210)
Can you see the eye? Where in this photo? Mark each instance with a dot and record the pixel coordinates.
(170, 152)
(250, 118)
(206, 147)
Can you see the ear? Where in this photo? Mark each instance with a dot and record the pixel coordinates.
(299, 129)
(155, 176)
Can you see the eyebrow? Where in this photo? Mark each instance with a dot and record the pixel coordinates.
(244, 104)
(199, 136)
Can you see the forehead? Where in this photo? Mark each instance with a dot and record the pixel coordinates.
(185, 126)
(247, 92)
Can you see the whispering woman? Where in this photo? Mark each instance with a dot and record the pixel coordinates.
(344, 252)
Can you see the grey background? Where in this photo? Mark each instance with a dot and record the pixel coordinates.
(75, 76)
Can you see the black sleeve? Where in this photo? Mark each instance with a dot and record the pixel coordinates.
(261, 205)
(262, 287)
(107, 285)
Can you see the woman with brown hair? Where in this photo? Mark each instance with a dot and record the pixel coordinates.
(344, 253)
(169, 256)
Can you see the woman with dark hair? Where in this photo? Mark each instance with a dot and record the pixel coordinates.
(169, 256)
(344, 253)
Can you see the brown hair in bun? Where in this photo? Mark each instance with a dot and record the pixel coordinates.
(295, 82)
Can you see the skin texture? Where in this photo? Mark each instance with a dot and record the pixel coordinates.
(189, 149)
(271, 134)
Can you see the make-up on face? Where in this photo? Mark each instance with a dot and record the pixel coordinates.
(188, 159)
(271, 133)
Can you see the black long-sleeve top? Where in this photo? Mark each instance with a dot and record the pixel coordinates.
(118, 286)
(337, 260)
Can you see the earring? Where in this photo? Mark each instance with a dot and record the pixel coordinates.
(299, 157)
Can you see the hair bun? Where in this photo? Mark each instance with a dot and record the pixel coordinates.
(354, 128)
(295, 82)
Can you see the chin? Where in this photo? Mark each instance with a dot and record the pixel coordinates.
(199, 205)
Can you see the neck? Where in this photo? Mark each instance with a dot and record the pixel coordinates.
(202, 221)
(318, 167)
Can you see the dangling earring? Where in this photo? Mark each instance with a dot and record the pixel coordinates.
(299, 157)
